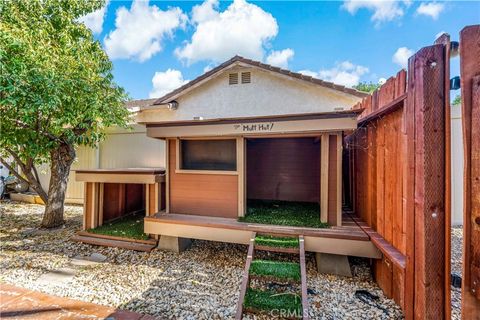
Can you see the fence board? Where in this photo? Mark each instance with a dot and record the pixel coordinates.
(470, 84)
(404, 170)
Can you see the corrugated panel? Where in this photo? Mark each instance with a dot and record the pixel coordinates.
(131, 150)
(86, 159)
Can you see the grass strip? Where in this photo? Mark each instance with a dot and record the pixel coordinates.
(271, 241)
(277, 269)
(129, 227)
(285, 213)
(286, 304)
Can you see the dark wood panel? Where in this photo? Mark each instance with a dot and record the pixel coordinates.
(201, 194)
(134, 197)
(285, 169)
(332, 180)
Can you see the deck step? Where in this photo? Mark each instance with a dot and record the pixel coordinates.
(125, 244)
(276, 270)
(277, 249)
(293, 305)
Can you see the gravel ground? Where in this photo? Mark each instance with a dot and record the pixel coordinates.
(456, 252)
(200, 283)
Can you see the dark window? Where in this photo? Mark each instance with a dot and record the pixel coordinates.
(208, 155)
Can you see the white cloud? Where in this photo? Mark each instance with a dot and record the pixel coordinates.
(431, 9)
(280, 58)
(139, 32)
(94, 20)
(344, 73)
(381, 81)
(243, 29)
(401, 56)
(165, 82)
(383, 10)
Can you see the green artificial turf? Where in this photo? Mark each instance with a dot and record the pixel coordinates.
(277, 269)
(285, 213)
(271, 241)
(286, 303)
(128, 227)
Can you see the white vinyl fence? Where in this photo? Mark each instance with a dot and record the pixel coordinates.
(121, 149)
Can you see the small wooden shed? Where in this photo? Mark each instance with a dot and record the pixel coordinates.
(113, 193)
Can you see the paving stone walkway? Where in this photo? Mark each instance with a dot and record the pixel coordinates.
(19, 303)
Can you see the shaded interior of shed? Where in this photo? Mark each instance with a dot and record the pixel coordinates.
(283, 169)
(122, 199)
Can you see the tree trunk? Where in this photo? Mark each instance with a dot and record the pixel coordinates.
(60, 161)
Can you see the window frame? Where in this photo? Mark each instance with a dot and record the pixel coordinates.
(178, 157)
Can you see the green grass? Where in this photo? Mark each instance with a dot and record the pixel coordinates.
(297, 214)
(128, 227)
(288, 303)
(277, 269)
(271, 241)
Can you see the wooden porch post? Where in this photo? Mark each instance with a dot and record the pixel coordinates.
(241, 176)
(339, 178)
(324, 151)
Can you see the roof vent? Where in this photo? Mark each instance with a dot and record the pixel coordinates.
(233, 78)
(246, 77)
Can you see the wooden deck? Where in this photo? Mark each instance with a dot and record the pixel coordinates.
(349, 230)
(348, 239)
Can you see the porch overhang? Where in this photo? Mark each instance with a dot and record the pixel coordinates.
(252, 126)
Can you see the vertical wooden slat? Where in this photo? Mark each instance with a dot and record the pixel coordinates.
(86, 206)
(241, 175)
(469, 75)
(372, 176)
(324, 178)
(339, 178)
(429, 179)
(167, 175)
(100, 203)
(408, 191)
(333, 183)
(147, 199)
(157, 198)
(444, 40)
(380, 173)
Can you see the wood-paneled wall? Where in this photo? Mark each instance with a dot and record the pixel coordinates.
(286, 169)
(201, 194)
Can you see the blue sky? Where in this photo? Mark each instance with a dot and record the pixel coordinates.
(158, 45)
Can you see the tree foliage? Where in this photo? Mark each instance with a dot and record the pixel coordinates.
(457, 100)
(368, 87)
(56, 85)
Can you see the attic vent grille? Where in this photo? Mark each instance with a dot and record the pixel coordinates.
(246, 77)
(233, 78)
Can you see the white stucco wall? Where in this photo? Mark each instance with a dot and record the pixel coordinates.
(267, 94)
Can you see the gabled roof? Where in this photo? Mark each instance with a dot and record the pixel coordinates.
(238, 59)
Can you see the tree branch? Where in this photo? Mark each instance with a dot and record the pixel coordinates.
(12, 170)
(35, 172)
(46, 134)
(32, 181)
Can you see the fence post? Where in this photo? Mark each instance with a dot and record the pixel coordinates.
(470, 84)
(429, 218)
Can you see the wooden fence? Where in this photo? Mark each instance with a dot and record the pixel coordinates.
(470, 84)
(399, 180)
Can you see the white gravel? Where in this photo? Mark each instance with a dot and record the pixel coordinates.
(200, 283)
(456, 259)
